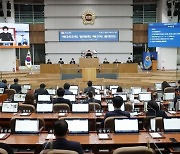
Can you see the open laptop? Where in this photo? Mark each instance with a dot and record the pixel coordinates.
(168, 96)
(111, 107)
(146, 96)
(126, 125)
(80, 108)
(135, 90)
(171, 124)
(72, 98)
(44, 107)
(123, 95)
(51, 91)
(26, 126)
(9, 107)
(19, 97)
(44, 98)
(78, 126)
(1, 90)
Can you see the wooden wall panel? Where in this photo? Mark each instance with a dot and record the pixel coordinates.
(140, 33)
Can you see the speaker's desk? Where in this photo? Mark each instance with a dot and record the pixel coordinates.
(88, 63)
(50, 68)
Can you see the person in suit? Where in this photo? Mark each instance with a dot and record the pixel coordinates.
(153, 110)
(66, 88)
(72, 61)
(116, 61)
(60, 61)
(61, 142)
(164, 85)
(105, 61)
(60, 99)
(16, 86)
(89, 88)
(91, 98)
(40, 91)
(129, 60)
(117, 103)
(3, 84)
(49, 61)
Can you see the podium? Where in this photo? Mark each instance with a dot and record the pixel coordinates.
(89, 74)
(154, 65)
(89, 63)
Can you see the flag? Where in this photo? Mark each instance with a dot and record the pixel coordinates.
(28, 62)
(147, 60)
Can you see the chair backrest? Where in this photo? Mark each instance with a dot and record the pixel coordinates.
(57, 151)
(128, 107)
(94, 106)
(159, 123)
(10, 93)
(26, 108)
(134, 150)
(3, 151)
(169, 90)
(109, 122)
(12, 124)
(60, 107)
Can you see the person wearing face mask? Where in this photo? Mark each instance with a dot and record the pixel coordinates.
(5, 35)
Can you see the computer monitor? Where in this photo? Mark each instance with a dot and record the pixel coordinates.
(111, 107)
(97, 97)
(19, 97)
(135, 90)
(123, 95)
(97, 91)
(26, 126)
(97, 87)
(44, 98)
(9, 107)
(172, 84)
(72, 98)
(25, 88)
(1, 90)
(74, 91)
(171, 124)
(51, 91)
(73, 87)
(80, 108)
(83, 126)
(168, 96)
(158, 86)
(113, 86)
(126, 125)
(145, 96)
(113, 91)
(44, 107)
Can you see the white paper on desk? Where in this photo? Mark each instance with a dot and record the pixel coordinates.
(25, 114)
(99, 114)
(62, 114)
(133, 114)
(50, 136)
(103, 136)
(2, 135)
(155, 135)
(172, 112)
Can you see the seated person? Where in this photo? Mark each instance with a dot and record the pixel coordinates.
(89, 88)
(29, 99)
(40, 91)
(117, 103)
(66, 88)
(61, 142)
(72, 61)
(91, 98)
(129, 60)
(89, 54)
(105, 61)
(119, 89)
(49, 61)
(3, 84)
(164, 85)
(16, 86)
(60, 61)
(115, 62)
(153, 110)
(60, 99)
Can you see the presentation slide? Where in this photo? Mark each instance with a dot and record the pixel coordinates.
(164, 35)
(14, 35)
(89, 36)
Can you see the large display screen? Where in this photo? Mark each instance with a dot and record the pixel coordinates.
(89, 36)
(14, 35)
(164, 35)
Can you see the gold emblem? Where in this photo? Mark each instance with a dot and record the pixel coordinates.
(88, 17)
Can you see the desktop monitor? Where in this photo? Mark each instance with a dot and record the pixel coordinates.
(158, 86)
(113, 86)
(73, 87)
(9, 107)
(51, 91)
(171, 124)
(74, 91)
(113, 91)
(97, 97)
(19, 97)
(135, 90)
(1, 90)
(83, 126)
(145, 96)
(44, 107)
(25, 88)
(111, 107)
(172, 84)
(80, 108)
(126, 125)
(168, 96)
(123, 95)
(97, 87)
(44, 98)
(72, 98)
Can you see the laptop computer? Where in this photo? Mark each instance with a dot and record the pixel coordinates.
(80, 108)
(44, 98)
(72, 98)
(168, 96)
(26, 126)
(51, 91)
(44, 107)
(135, 90)
(111, 107)
(19, 97)
(9, 107)
(171, 124)
(145, 96)
(83, 126)
(126, 125)
(123, 95)
(1, 90)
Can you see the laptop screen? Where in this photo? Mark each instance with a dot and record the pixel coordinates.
(145, 96)
(168, 96)
(51, 91)
(158, 86)
(80, 108)
(171, 124)
(9, 107)
(44, 98)
(74, 91)
(73, 87)
(113, 87)
(72, 98)
(19, 97)
(126, 125)
(123, 95)
(27, 126)
(135, 90)
(111, 107)
(113, 91)
(1, 90)
(44, 107)
(97, 97)
(83, 126)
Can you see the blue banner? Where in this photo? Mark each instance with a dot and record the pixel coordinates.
(89, 36)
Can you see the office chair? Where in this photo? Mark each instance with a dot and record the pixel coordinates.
(159, 123)
(134, 150)
(57, 151)
(10, 93)
(94, 106)
(60, 107)
(128, 107)
(169, 90)
(3, 151)
(26, 108)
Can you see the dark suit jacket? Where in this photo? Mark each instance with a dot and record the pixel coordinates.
(159, 113)
(88, 89)
(67, 92)
(64, 144)
(115, 113)
(62, 100)
(40, 91)
(16, 87)
(3, 85)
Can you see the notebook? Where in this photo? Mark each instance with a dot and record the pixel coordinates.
(44, 98)
(171, 124)
(1, 90)
(72, 98)
(26, 126)
(9, 107)
(51, 91)
(44, 107)
(168, 96)
(123, 95)
(83, 126)
(80, 108)
(126, 125)
(145, 96)
(19, 97)
(111, 107)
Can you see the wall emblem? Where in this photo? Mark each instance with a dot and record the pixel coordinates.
(88, 17)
